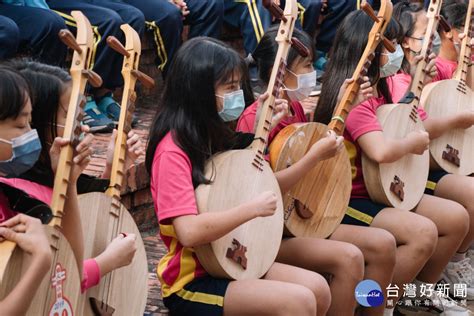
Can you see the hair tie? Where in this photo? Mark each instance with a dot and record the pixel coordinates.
(338, 118)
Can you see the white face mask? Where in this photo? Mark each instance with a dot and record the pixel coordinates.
(394, 63)
(233, 105)
(436, 43)
(305, 85)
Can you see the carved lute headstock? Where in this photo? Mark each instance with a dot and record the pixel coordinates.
(418, 83)
(131, 52)
(466, 49)
(284, 40)
(81, 74)
(376, 36)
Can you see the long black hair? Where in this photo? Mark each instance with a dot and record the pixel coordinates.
(454, 11)
(265, 53)
(46, 83)
(405, 13)
(14, 92)
(344, 57)
(188, 109)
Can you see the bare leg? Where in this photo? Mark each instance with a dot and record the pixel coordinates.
(309, 279)
(342, 260)
(460, 189)
(452, 222)
(379, 248)
(416, 238)
(273, 296)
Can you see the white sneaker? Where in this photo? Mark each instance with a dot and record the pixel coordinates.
(450, 306)
(459, 273)
(470, 255)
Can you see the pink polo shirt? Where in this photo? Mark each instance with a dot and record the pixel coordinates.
(90, 271)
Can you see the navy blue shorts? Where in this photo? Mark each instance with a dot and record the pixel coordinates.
(433, 178)
(202, 296)
(361, 212)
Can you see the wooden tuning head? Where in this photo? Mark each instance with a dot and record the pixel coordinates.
(69, 40)
(302, 50)
(274, 9)
(115, 44)
(370, 12)
(93, 78)
(146, 80)
(444, 24)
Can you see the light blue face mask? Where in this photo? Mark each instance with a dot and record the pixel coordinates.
(25, 152)
(394, 63)
(436, 43)
(233, 106)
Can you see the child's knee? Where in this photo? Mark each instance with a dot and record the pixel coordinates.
(320, 289)
(425, 237)
(351, 261)
(299, 301)
(381, 248)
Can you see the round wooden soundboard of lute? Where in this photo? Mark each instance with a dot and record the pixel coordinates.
(97, 210)
(400, 184)
(248, 251)
(63, 277)
(310, 210)
(454, 150)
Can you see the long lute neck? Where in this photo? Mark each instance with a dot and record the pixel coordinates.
(275, 84)
(465, 56)
(79, 73)
(375, 38)
(264, 124)
(131, 53)
(120, 150)
(420, 74)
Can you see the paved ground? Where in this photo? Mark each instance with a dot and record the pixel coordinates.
(155, 250)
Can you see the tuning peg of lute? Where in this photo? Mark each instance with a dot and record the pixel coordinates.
(115, 44)
(369, 11)
(301, 48)
(444, 24)
(388, 44)
(69, 40)
(146, 80)
(93, 78)
(274, 9)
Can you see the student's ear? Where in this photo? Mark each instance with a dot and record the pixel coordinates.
(405, 44)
